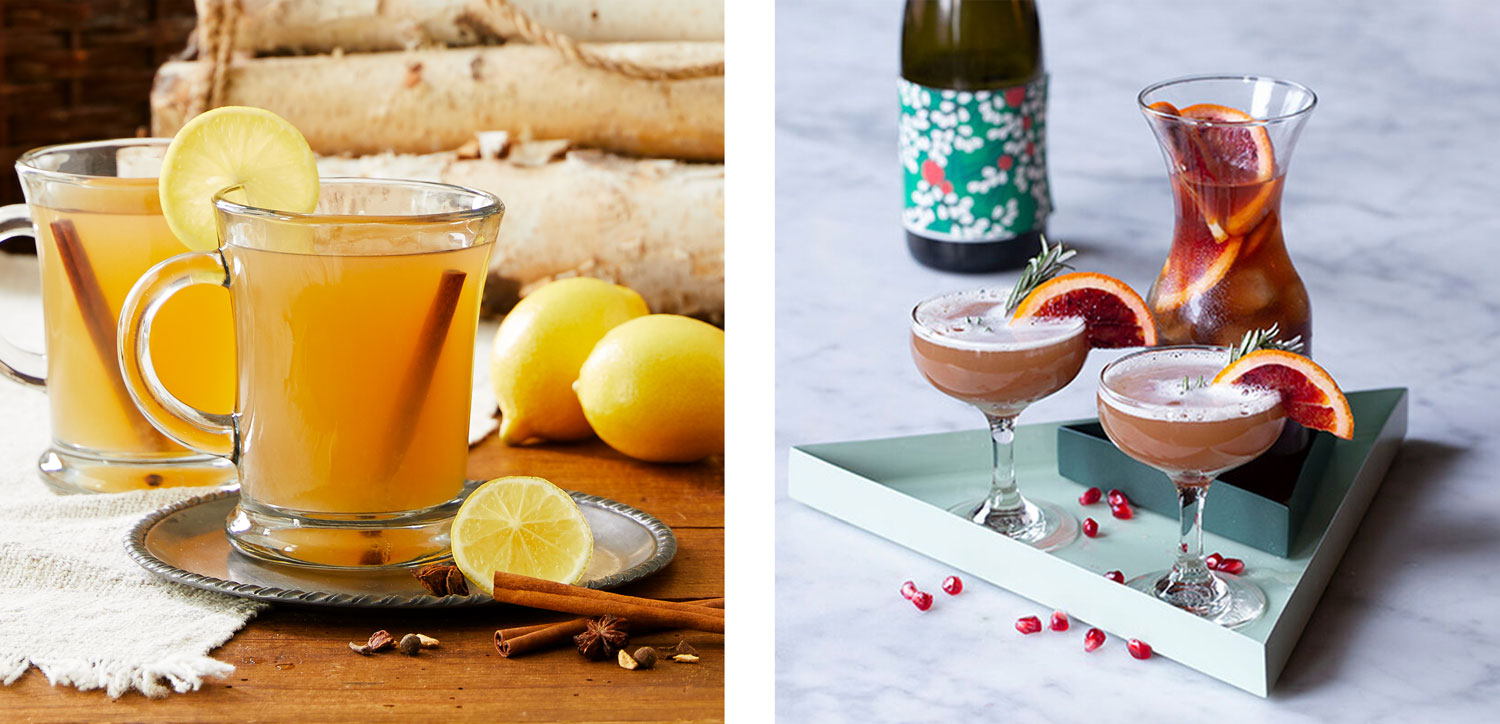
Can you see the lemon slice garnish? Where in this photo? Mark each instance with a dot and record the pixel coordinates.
(252, 149)
(521, 525)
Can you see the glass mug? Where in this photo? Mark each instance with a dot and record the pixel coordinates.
(356, 329)
(93, 210)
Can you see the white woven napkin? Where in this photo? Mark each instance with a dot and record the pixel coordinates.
(75, 606)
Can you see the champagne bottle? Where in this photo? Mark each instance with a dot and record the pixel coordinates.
(973, 142)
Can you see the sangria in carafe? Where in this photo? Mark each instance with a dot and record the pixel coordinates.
(1227, 141)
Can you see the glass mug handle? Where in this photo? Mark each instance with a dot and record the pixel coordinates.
(22, 365)
(208, 432)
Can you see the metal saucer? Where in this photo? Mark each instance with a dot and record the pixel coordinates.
(185, 543)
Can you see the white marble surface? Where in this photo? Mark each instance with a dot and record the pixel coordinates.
(1391, 214)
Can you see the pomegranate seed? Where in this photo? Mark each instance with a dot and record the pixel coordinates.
(1115, 576)
(1122, 511)
(1090, 496)
(1117, 498)
(922, 600)
(1212, 561)
(953, 585)
(1090, 527)
(1139, 649)
(908, 590)
(1028, 625)
(1093, 639)
(1059, 621)
(1232, 566)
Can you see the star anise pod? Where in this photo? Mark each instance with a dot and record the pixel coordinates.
(604, 636)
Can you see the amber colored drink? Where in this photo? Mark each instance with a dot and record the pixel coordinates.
(351, 403)
(1227, 141)
(113, 231)
(967, 349)
(1160, 410)
(1228, 271)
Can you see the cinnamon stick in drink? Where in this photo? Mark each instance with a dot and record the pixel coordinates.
(419, 376)
(549, 595)
(522, 640)
(99, 322)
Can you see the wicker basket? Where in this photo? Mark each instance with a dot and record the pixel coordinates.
(79, 70)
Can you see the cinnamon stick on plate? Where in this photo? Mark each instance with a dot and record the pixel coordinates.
(552, 596)
(100, 323)
(522, 640)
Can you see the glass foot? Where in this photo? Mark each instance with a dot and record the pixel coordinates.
(1042, 525)
(71, 472)
(361, 542)
(1229, 601)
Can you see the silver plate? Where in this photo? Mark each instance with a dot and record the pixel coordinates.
(185, 542)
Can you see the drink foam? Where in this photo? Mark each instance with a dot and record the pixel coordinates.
(978, 320)
(1174, 384)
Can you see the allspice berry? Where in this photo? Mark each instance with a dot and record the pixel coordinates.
(645, 657)
(409, 645)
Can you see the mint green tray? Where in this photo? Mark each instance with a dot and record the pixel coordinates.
(899, 488)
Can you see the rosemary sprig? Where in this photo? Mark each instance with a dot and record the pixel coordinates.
(1191, 384)
(1257, 339)
(1045, 265)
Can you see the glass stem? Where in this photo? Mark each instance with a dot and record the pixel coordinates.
(1004, 497)
(1192, 491)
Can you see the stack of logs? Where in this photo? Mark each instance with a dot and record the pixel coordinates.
(602, 174)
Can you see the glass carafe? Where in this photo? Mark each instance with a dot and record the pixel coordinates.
(1227, 141)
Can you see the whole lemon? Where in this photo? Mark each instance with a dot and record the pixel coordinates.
(653, 388)
(539, 348)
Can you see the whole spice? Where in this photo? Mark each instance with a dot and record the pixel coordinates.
(442, 580)
(627, 661)
(645, 657)
(520, 640)
(552, 596)
(686, 658)
(379, 641)
(603, 637)
(684, 647)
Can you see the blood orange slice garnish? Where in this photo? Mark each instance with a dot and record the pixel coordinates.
(1308, 393)
(1113, 314)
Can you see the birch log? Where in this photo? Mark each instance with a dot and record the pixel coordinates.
(297, 26)
(654, 225)
(435, 100)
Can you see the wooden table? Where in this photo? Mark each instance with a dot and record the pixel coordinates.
(295, 665)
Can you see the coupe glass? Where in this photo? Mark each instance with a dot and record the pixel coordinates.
(963, 345)
(1192, 438)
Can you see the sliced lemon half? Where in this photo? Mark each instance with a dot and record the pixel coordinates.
(234, 146)
(521, 525)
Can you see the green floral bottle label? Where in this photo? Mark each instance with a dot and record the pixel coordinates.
(975, 161)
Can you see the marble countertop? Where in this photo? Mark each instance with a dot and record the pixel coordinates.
(1390, 211)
